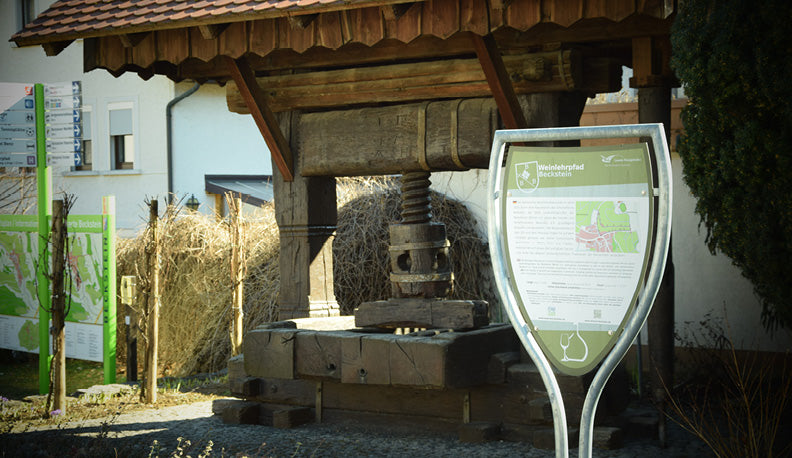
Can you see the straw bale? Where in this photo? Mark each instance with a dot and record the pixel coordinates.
(196, 284)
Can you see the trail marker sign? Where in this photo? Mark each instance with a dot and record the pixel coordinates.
(572, 232)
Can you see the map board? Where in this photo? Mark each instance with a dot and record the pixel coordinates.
(19, 306)
(577, 222)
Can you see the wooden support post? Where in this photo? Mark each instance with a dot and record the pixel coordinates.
(152, 328)
(237, 272)
(257, 104)
(498, 79)
(58, 307)
(305, 209)
(651, 75)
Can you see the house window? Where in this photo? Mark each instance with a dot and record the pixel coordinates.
(87, 145)
(25, 13)
(122, 141)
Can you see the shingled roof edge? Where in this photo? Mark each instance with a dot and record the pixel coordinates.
(29, 37)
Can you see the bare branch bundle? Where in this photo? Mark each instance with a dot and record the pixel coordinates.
(196, 294)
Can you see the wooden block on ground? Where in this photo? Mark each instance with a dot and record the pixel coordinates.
(608, 438)
(480, 431)
(245, 387)
(540, 410)
(498, 363)
(291, 417)
(270, 353)
(290, 392)
(545, 438)
(528, 375)
(218, 405)
(241, 412)
(332, 323)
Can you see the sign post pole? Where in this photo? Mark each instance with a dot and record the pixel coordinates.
(571, 233)
(43, 208)
(109, 288)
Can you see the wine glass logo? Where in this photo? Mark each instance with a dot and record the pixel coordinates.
(568, 339)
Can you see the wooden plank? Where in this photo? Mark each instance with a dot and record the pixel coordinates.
(174, 45)
(407, 27)
(145, 53)
(412, 81)
(495, 71)
(562, 12)
(367, 25)
(263, 34)
(422, 313)
(441, 18)
(415, 402)
(200, 47)
(523, 14)
(265, 120)
(212, 31)
(474, 17)
(112, 53)
(233, 42)
(329, 33)
(300, 37)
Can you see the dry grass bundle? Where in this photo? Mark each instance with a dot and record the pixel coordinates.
(360, 250)
(196, 281)
(196, 287)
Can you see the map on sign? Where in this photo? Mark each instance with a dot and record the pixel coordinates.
(576, 225)
(605, 227)
(19, 306)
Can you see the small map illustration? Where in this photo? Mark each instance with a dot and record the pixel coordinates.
(605, 227)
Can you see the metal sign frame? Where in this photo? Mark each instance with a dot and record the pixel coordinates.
(663, 192)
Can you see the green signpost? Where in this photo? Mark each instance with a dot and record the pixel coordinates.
(35, 118)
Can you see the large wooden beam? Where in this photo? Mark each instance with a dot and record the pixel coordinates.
(542, 72)
(498, 79)
(265, 120)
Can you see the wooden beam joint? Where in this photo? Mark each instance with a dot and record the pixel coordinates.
(499, 82)
(55, 47)
(130, 40)
(302, 21)
(212, 31)
(257, 104)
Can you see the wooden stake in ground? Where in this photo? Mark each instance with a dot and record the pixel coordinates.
(152, 323)
(237, 272)
(58, 386)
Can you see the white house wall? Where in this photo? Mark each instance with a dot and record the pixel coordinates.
(704, 284)
(210, 140)
(100, 89)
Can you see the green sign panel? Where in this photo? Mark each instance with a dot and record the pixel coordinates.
(577, 225)
(86, 269)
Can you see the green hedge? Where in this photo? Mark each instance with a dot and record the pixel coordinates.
(734, 58)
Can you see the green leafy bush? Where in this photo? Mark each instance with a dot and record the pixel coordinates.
(734, 58)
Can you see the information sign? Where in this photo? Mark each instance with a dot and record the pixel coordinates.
(62, 116)
(71, 102)
(570, 233)
(17, 146)
(64, 145)
(18, 159)
(14, 131)
(26, 118)
(73, 130)
(63, 159)
(67, 88)
(16, 97)
(576, 225)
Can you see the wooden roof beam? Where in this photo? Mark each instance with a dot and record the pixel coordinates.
(54, 48)
(212, 31)
(257, 104)
(394, 12)
(130, 40)
(498, 79)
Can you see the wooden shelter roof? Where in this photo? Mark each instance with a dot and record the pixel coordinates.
(182, 39)
(315, 54)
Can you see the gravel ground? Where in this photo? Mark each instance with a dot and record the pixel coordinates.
(156, 433)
